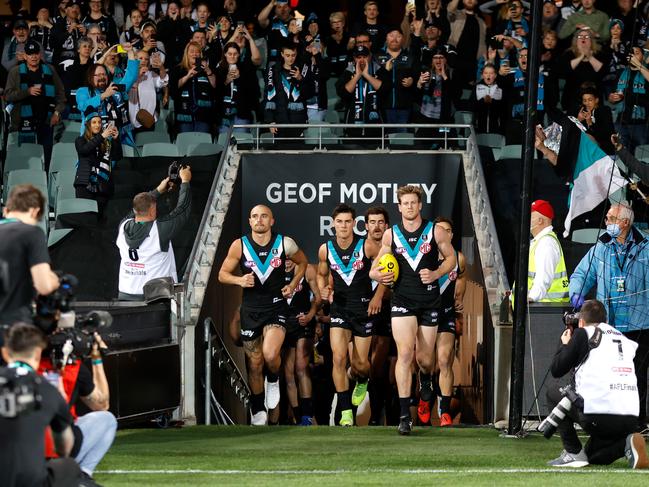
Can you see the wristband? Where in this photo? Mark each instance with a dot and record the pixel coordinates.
(97, 361)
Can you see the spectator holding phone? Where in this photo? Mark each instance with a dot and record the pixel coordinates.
(596, 119)
(96, 16)
(142, 99)
(66, 32)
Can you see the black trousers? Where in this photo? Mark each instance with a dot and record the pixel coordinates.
(641, 363)
(63, 472)
(607, 432)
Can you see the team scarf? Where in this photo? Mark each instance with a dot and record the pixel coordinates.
(637, 87)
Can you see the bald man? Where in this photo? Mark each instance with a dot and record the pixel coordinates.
(260, 257)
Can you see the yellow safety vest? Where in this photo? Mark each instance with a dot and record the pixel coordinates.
(558, 291)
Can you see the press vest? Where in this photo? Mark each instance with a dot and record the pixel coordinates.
(606, 380)
(267, 263)
(148, 261)
(350, 269)
(558, 290)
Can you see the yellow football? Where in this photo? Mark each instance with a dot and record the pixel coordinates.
(389, 264)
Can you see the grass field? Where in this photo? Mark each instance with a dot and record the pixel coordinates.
(327, 456)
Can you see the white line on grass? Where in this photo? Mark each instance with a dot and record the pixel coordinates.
(414, 471)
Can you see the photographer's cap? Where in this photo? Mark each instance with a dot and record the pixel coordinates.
(544, 208)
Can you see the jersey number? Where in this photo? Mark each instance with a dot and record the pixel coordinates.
(619, 348)
(132, 254)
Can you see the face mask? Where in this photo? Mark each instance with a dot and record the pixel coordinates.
(613, 230)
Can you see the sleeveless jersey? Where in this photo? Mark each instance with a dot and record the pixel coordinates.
(447, 285)
(148, 261)
(300, 302)
(267, 264)
(415, 251)
(350, 268)
(606, 380)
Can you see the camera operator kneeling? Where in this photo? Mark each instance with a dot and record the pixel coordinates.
(605, 396)
(28, 404)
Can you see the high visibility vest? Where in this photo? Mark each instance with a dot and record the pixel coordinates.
(558, 291)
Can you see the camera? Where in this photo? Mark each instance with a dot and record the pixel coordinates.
(18, 392)
(173, 173)
(198, 65)
(571, 320)
(120, 86)
(570, 398)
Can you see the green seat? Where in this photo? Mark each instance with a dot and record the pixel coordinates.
(401, 139)
(73, 127)
(463, 117)
(164, 149)
(266, 139)
(586, 235)
(146, 138)
(57, 235)
(187, 139)
(642, 151)
(202, 149)
(326, 136)
(25, 150)
(62, 187)
(490, 140)
(68, 137)
(75, 205)
(36, 177)
(65, 151)
(511, 152)
(16, 163)
(128, 151)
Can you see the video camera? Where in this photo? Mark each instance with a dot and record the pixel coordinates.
(570, 397)
(18, 392)
(70, 336)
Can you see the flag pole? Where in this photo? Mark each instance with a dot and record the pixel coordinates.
(520, 311)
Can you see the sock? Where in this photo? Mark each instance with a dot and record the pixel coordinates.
(404, 406)
(344, 400)
(257, 402)
(425, 386)
(306, 405)
(296, 413)
(445, 404)
(270, 377)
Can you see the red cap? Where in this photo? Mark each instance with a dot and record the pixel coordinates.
(544, 208)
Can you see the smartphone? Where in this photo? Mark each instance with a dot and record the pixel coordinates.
(232, 67)
(241, 23)
(120, 49)
(120, 86)
(298, 23)
(317, 44)
(411, 2)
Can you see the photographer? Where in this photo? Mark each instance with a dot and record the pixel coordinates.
(22, 456)
(144, 240)
(23, 247)
(606, 399)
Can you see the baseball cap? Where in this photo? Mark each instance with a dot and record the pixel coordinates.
(32, 47)
(544, 208)
(361, 51)
(21, 24)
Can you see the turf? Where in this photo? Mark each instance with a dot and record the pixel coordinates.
(239, 455)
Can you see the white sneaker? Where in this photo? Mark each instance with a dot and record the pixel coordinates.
(259, 419)
(272, 394)
(572, 460)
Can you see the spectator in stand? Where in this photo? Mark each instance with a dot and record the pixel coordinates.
(218, 35)
(400, 65)
(192, 88)
(616, 52)
(588, 17)
(551, 19)
(237, 89)
(295, 35)
(38, 97)
(435, 93)
(468, 34)
(422, 47)
(115, 10)
(98, 148)
(249, 52)
(132, 34)
(488, 102)
(146, 13)
(580, 64)
(596, 119)
(98, 42)
(570, 7)
(73, 72)
(516, 25)
(311, 29)
(549, 66)
(14, 50)
(232, 10)
(106, 23)
(60, 12)
(284, 98)
(360, 88)
(109, 98)
(149, 41)
(66, 33)
(632, 94)
(513, 81)
(142, 96)
(338, 44)
(315, 82)
(203, 19)
(172, 30)
(41, 32)
(276, 28)
(370, 25)
(436, 13)
(628, 15)
(110, 60)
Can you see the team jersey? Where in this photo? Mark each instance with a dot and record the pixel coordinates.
(300, 302)
(447, 285)
(350, 268)
(415, 251)
(267, 264)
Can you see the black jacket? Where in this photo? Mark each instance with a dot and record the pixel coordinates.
(90, 157)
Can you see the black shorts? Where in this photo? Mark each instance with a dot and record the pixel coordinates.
(446, 320)
(360, 326)
(382, 321)
(253, 320)
(426, 314)
(295, 331)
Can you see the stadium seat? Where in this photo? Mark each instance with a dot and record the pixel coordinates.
(36, 177)
(185, 139)
(64, 155)
(25, 150)
(463, 117)
(202, 149)
(72, 127)
(490, 140)
(128, 151)
(266, 139)
(586, 235)
(511, 152)
(61, 186)
(161, 125)
(56, 235)
(146, 138)
(68, 137)
(75, 205)
(642, 151)
(327, 137)
(16, 163)
(160, 149)
(402, 139)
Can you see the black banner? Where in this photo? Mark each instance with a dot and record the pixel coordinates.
(302, 190)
